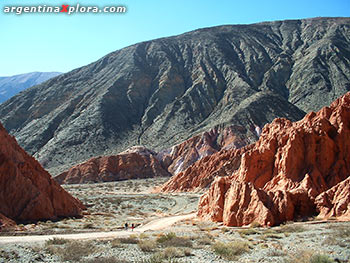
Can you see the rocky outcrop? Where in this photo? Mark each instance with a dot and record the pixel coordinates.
(179, 157)
(27, 191)
(335, 202)
(162, 92)
(202, 173)
(135, 163)
(6, 223)
(295, 170)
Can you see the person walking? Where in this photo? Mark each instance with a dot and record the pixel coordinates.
(126, 226)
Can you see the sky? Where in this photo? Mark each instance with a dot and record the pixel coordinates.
(62, 42)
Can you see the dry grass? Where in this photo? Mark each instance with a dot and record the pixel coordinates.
(205, 240)
(171, 240)
(147, 245)
(247, 232)
(340, 236)
(308, 256)
(291, 228)
(230, 251)
(129, 240)
(106, 260)
(72, 250)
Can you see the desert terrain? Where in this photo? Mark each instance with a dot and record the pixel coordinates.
(100, 236)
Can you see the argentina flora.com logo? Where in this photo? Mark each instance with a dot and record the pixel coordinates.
(64, 9)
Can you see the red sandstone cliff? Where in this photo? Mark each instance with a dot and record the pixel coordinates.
(137, 162)
(294, 170)
(179, 157)
(27, 191)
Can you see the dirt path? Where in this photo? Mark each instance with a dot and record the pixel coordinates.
(157, 224)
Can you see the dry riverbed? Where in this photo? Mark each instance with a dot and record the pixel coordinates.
(110, 205)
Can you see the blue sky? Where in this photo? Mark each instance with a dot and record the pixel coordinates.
(58, 42)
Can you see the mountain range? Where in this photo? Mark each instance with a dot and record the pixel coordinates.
(161, 92)
(10, 86)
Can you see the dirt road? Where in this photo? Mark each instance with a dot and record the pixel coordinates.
(157, 224)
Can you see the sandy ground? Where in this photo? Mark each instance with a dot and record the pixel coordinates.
(167, 231)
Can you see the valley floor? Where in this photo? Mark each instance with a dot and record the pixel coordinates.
(160, 236)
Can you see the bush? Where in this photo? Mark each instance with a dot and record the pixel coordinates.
(163, 238)
(306, 256)
(171, 240)
(147, 245)
(231, 250)
(172, 252)
(129, 240)
(72, 250)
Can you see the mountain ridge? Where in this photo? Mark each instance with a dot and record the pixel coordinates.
(11, 85)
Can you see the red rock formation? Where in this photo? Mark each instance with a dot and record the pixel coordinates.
(294, 170)
(190, 164)
(179, 157)
(335, 202)
(202, 173)
(137, 162)
(6, 223)
(27, 191)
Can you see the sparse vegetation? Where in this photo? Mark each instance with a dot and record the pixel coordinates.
(307, 256)
(171, 240)
(172, 252)
(72, 250)
(147, 245)
(106, 260)
(291, 228)
(231, 250)
(247, 232)
(129, 240)
(205, 240)
(56, 241)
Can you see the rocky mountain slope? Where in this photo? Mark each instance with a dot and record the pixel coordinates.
(162, 92)
(135, 163)
(27, 191)
(295, 170)
(10, 86)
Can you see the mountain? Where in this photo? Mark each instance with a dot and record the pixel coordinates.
(10, 86)
(27, 192)
(162, 92)
(295, 170)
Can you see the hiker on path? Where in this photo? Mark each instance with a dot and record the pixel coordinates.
(126, 226)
